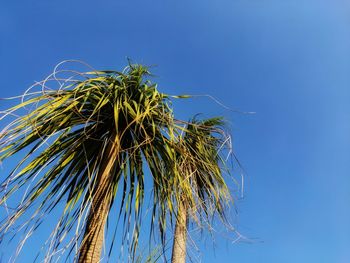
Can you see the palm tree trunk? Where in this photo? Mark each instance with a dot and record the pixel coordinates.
(92, 243)
(180, 237)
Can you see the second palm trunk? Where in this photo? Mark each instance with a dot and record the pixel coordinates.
(180, 236)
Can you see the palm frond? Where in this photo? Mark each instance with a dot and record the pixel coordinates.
(202, 169)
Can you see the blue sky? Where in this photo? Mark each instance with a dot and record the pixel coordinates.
(288, 61)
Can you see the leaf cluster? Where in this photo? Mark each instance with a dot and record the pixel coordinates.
(66, 135)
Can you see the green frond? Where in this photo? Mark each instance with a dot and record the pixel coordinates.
(201, 169)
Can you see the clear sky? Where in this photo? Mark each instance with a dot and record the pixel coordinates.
(286, 60)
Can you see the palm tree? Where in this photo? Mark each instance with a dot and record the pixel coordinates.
(202, 188)
(90, 140)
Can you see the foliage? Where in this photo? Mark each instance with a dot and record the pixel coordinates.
(64, 134)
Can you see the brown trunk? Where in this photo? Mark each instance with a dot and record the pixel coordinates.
(180, 237)
(92, 244)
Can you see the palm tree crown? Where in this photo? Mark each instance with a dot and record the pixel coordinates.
(89, 140)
